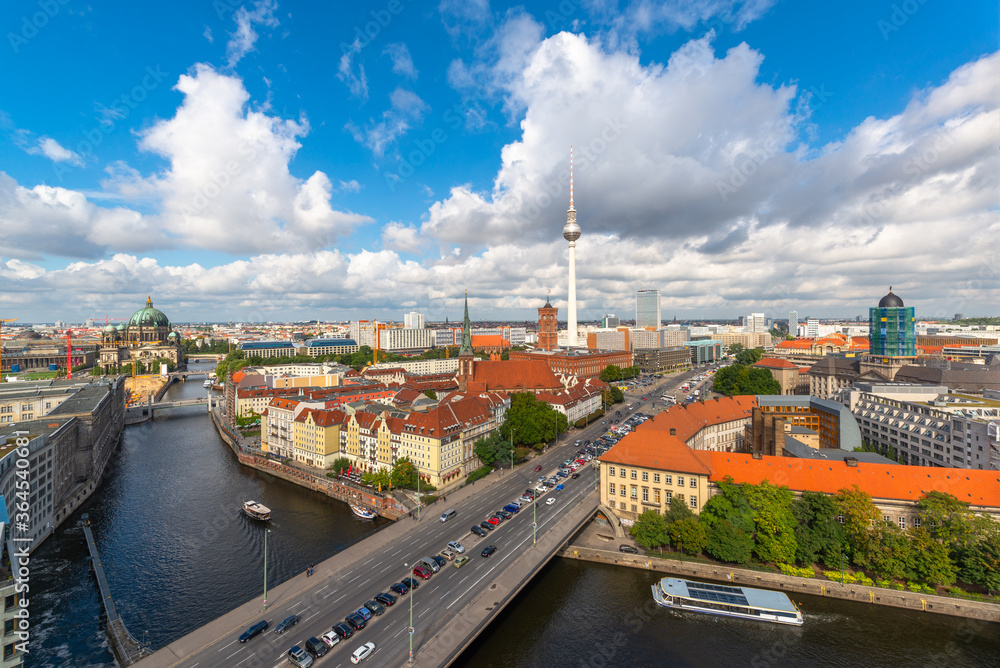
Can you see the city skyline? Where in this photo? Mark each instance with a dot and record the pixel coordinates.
(275, 161)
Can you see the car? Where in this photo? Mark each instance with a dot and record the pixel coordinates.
(461, 561)
(410, 583)
(524, 500)
(542, 478)
(628, 548)
(529, 492)
(538, 468)
(316, 647)
(364, 612)
(253, 631)
(488, 550)
(563, 474)
(560, 488)
(388, 600)
(456, 546)
(549, 501)
(343, 630)
(331, 638)
(363, 652)
(486, 525)
(439, 560)
(356, 621)
(503, 514)
(285, 624)
(512, 508)
(575, 476)
(375, 607)
(298, 657)
(448, 555)
(494, 520)
(479, 531)
(399, 589)
(422, 572)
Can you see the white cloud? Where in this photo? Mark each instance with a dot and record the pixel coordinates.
(402, 62)
(465, 18)
(356, 83)
(208, 35)
(351, 186)
(400, 237)
(55, 151)
(244, 39)
(405, 109)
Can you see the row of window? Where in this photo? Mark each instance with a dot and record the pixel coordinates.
(667, 479)
(667, 496)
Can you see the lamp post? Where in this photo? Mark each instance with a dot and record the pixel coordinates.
(410, 630)
(266, 531)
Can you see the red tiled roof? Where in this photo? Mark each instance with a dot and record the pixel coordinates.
(513, 375)
(796, 344)
(653, 449)
(881, 481)
(775, 363)
(689, 419)
(323, 418)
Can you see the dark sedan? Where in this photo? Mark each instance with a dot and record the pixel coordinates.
(388, 600)
(253, 631)
(356, 621)
(479, 531)
(488, 550)
(410, 583)
(486, 525)
(343, 630)
(374, 607)
(399, 589)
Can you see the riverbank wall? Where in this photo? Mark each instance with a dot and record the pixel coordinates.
(791, 585)
(382, 504)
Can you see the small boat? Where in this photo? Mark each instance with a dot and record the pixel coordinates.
(256, 511)
(207, 383)
(363, 513)
(743, 602)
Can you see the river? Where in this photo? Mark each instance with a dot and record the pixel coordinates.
(178, 553)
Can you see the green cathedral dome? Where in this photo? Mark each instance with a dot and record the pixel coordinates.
(149, 317)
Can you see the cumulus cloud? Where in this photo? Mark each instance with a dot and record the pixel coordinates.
(465, 18)
(405, 109)
(402, 61)
(243, 40)
(55, 151)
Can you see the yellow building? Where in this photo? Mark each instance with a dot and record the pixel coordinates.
(648, 468)
(317, 437)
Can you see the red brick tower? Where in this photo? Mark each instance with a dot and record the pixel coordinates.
(548, 335)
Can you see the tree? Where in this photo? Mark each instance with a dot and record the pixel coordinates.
(980, 561)
(677, 510)
(340, 464)
(889, 553)
(404, 474)
(493, 449)
(735, 349)
(929, 559)
(739, 379)
(532, 421)
(860, 518)
(650, 530)
(382, 478)
(728, 518)
(728, 543)
(818, 533)
(431, 394)
(689, 534)
(749, 356)
(948, 520)
(774, 522)
(616, 395)
(611, 373)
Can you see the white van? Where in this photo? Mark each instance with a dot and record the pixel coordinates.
(430, 564)
(447, 515)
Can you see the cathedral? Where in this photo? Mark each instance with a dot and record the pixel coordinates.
(146, 336)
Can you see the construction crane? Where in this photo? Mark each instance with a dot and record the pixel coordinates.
(2, 321)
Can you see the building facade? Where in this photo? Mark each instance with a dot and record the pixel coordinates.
(891, 328)
(647, 309)
(654, 360)
(146, 337)
(548, 332)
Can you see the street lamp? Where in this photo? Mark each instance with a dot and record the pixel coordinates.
(410, 630)
(266, 531)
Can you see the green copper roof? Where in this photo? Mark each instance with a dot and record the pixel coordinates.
(466, 349)
(148, 317)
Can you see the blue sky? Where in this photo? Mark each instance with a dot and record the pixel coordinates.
(281, 160)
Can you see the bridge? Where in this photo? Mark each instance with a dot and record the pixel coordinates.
(449, 610)
(126, 648)
(143, 412)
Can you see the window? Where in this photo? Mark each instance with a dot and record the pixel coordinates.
(633, 508)
(694, 501)
(611, 489)
(611, 471)
(633, 474)
(694, 483)
(902, 522)
(916, 522)
(668, 480)
(656, 496)
(645, 476)
(635, 492)
(621, 492)
(645, 494)
(621, 472)
(840, 518)
(656, 477)
(885, 518)
(670, 496)
(680, 481)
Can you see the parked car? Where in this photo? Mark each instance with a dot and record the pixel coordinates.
(628, 548)
(410, 583)
(286, 623)
(363, 652)
(356, 621)
(343, 630)
(439, 560)
(316, 647)
(388, 600)
(375, 607)
(448, 555)
(364, 612)
(456, 546)
(253, 631)
(331, 638)
(494, 520)
(399, 589)
(486, 525)
(575, 476)
(560, 488)
(488, 550)
(512, 508)
(479, 531)
(298, 657)
(503, 514)
(422, 572)
(461, 561)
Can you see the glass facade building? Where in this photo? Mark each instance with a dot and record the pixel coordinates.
(891, 328)
(647, 308)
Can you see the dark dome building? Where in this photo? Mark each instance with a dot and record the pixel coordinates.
(891, 328)
(146, 336)
(891, 300)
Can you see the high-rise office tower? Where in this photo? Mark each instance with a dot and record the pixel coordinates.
(793, 323)
(647, 308)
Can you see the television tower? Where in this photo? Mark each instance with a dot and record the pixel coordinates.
(571, 232)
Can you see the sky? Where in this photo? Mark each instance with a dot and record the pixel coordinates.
(281, 160)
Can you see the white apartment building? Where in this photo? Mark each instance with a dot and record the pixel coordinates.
(405, 339)
(421, 366)
(756, 322)
(812, 328)
(413, 320)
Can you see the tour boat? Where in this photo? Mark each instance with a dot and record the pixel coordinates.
(363, 513)
(257, 511)
(742, 602)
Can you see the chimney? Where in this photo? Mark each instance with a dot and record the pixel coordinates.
(757, 454)
(673, 432)
(851, 461)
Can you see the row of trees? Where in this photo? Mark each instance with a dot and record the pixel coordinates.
(742, 378)
(401, 476)
(613, 373)
(766, 523)
(529, 423)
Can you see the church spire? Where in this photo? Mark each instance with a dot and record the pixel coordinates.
(466, 349)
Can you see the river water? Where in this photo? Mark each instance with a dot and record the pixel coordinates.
(178, 553)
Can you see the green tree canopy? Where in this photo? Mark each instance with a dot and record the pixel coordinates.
(611, 373)
(980, 561)
(739, 380)
(948, 520)
(861, 518)
(689, 534)
(650, 530)
(728, 543)
(493, 449)
(749, 356)
(818, 533)
(404, 474)
(930, 560)
(532, 421)
(677, 510)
